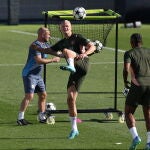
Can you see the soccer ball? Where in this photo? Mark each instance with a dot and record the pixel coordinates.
(108, 115)
(79, 13)
(98, 46)
(121, 118)
(50, 106)
(50, 120)
(125, 91)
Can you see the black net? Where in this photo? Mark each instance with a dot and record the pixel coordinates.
(90, 29)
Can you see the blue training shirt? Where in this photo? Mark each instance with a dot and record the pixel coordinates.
(32, 67)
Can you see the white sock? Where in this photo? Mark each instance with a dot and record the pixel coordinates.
(133, 132)
(21, 115)
(148, 137)
(70, 62)
(74, 123)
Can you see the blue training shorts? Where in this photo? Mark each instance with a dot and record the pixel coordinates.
(33, 84)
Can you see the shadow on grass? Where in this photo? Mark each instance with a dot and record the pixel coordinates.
(85, 92)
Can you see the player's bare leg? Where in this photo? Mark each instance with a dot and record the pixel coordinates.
(130, 121)
(41, 104)
(71, 101)
(146, 112)
(24, 104)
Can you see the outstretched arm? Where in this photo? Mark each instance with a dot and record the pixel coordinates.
(46, 50)
(40, 60)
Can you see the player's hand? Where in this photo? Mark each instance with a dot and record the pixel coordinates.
(55, 59)
(126, 89)
(127, 84)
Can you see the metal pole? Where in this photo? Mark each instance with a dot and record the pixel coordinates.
(116, 68)
(45, 24)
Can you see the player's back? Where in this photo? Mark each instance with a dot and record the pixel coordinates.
(141, 65)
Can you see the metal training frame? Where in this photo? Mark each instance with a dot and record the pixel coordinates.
(93, 14)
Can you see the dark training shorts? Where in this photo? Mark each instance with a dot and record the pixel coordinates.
(82, 67)
(138, 95)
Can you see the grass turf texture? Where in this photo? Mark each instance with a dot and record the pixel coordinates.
(97, 92)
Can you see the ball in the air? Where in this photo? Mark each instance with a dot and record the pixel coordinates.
(79, 13)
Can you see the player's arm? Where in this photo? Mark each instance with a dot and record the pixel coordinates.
(126, 72)
(46, 50)
(89, 49)
(41, 60)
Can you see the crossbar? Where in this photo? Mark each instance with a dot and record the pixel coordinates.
(92, 12)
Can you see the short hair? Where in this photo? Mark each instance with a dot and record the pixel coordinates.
(136, 38)
(64, 21)
(42, 29)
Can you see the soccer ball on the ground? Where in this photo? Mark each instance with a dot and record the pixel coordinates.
(98, 46)
(50, 120)
(50, 106)
(79, 13)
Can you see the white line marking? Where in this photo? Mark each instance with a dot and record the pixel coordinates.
(22, 32)
(119, 50)
(29, 33)
(5, 65)
(118, 143)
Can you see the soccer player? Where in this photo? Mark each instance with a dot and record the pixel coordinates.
(75, 49)
(137, 65)
(32, 79)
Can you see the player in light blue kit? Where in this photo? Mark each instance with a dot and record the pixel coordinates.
(32, 79)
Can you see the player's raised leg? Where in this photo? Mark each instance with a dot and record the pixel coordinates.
(69, 55)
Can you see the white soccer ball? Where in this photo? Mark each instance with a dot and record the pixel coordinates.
(98, 46)
(108, 115)
(51, 120)
(50, 106)
(125, 91)
(79, 13)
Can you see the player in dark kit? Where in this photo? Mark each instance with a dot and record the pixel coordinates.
(75, 49)
(137, 64)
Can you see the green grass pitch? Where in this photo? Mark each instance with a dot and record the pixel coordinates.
(97, 92)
